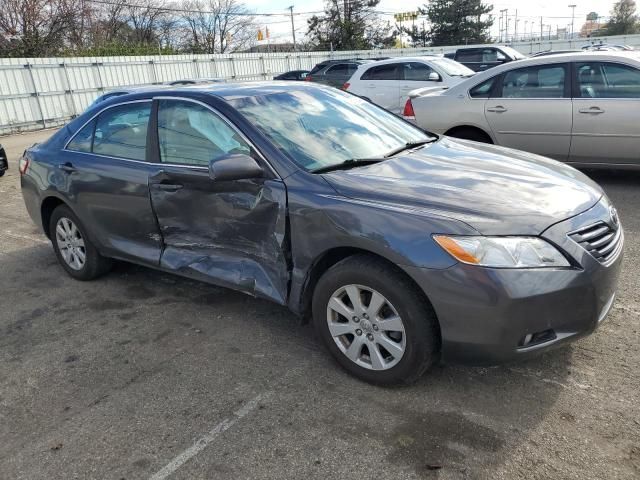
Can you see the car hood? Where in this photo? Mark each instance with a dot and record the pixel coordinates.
(495, 190)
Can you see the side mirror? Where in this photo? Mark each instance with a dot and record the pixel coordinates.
(434, 77)
(234, 166)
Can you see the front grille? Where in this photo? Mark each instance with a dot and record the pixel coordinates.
(600, 240)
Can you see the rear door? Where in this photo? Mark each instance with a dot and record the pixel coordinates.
(104, 171)
(231, 233)
(606, 113)
(381, 85)
(531, 110)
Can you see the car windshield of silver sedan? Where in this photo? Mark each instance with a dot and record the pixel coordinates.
(320, 128)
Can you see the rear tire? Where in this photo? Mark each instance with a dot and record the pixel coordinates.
(2, 173)
(396, 352)
(75, 252)
(468, 133)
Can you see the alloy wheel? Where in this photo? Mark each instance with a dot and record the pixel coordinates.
(366, 327)
(70, 243)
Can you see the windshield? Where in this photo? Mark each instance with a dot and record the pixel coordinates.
(320, 127)
(514, 53)
(453, 68)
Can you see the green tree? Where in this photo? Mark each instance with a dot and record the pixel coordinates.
(349, 25)
(455, 22)
(623, 20)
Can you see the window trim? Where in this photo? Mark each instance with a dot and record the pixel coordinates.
(567, 91)
(215, 112)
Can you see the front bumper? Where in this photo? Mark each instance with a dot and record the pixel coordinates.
(4, 162)
(489, 316)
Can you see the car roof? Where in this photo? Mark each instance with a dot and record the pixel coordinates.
(402, 59)
(226, 91)
(583, 56)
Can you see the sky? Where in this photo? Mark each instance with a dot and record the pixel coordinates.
(554, 12)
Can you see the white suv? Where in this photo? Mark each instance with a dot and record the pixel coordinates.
(388, 82)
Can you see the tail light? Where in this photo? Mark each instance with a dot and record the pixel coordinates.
(408, 110)
(346, 86)
(23, 165)
(307, 78)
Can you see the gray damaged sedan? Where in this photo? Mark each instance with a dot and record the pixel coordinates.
(402, 247)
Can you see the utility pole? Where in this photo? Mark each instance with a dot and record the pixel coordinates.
(573, 17)
(293, 28)
(515, 33)
(541, 29)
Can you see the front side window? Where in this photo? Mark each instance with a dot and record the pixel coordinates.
(482, 90)
(418, 72)
(121, 131)
(317, 128)
(191, 134)
(608, 80)
(546, 81)
(83, 139)
(382, 72)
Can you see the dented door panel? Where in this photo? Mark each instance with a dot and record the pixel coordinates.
(231, 233)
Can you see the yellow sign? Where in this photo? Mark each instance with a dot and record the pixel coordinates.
(406, 16)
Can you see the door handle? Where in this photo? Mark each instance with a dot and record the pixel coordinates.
(497, 109)
(592, 110)
(169, 187)
(67, 167)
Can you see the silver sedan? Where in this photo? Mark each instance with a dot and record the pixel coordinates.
(581, 108)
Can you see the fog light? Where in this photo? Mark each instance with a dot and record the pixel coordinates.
(531, 339)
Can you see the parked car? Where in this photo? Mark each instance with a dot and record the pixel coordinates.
(334, 72)
(388, 82)
(195, 81)
(546, 53)
(480, 59)
(4, 162)
(402, 247)
(297, 75)
(581, 108)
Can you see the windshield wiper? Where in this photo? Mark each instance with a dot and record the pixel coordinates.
(408, 146)
(347, 164)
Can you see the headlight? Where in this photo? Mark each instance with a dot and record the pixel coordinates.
(502, 252)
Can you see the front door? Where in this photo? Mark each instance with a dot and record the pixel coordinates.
(532, 110)
(380, 84)
(231, 233)
(416, 75)
(606, 114)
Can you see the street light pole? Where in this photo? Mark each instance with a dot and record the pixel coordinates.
(573, 18)
(293, 28)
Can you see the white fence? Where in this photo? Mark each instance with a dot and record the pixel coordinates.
(47, 92)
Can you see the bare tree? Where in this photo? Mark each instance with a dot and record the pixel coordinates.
(145, 17)
(35, 28)
(217, 26)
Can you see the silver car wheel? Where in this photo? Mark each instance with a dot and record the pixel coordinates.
(70, 243)
(366, 327)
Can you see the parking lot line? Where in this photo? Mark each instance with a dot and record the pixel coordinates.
(203, 442)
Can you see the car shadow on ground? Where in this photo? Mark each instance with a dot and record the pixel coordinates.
(454, 417)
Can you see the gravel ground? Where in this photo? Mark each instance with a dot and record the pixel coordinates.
(141, 374)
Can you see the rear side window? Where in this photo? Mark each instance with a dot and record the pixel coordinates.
(382, 72)
(469, 56)
(545, 81)
(342, 69)
(122, 131)
(82, 141)
(483, 90)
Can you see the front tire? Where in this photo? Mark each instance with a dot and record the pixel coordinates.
(375, 321)
(75, 252)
